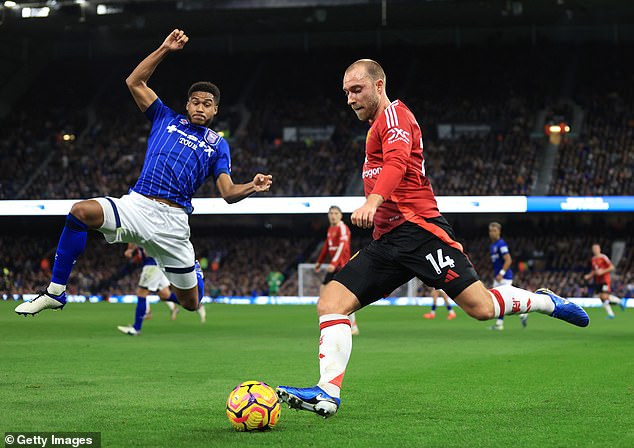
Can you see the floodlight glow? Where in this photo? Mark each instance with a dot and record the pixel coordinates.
(554, 129)
(10, 4)
(102, 9)
(35, 12)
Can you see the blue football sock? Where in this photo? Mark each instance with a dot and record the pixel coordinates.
(139, 313)
(70, 246)
(173, 298)
(433, 307)
(201, 288)
(448, 307)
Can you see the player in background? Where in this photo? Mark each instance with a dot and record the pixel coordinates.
(337, 249)
(502, 272)
(411, 239)
(600, 273)
(451, 314)
(182, 152)
(153, 280)
(274, 280)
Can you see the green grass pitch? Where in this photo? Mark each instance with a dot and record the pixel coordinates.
(410, 382)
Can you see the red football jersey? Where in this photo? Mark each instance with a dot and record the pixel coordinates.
(601, 262)
(337, 246)
(395, 168)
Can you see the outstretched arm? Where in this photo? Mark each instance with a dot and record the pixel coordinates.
(231, 192)
(137, 81)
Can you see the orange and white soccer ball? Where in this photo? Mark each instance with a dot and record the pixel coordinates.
(253, 405)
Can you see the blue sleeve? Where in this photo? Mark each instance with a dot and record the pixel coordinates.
(158, 111)
(223, 161)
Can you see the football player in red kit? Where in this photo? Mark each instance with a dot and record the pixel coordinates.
(337, 249)
(601, 268)
(410, 239)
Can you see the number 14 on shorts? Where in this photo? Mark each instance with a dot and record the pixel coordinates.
(442, 262)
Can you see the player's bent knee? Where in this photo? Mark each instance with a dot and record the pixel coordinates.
(325, 306)
(190, 306)
(483, 315)
(480, 312)
(336, 299)
(89, 212)
(188, 303)
(476, 301)
(188, 298)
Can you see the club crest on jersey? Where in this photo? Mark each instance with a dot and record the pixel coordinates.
(183, 121)
(397, 134)
(211, 137)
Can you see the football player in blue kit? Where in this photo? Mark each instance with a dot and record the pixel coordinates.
(182, 152)
(502, 272)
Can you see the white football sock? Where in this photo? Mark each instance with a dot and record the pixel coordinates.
(55, 288)
(335, 346)
(170, 305)
(614, 299)
(607, 307)
(202, 312)
(508, 299)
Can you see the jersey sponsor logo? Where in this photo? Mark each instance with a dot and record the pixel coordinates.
(371, 172)
(183, 121)
(190, 140)
(398, 135)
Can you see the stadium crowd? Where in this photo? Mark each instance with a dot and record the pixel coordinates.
(601, 160)
(84, 141)
(238, 265)
(233, 266)
(106, 134)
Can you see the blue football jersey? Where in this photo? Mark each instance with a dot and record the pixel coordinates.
(147, 260)
(498, 249)
(180, 157)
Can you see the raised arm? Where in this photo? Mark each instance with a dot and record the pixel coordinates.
(137, 81)
(231, 192)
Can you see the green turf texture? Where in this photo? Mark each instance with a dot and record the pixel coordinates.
(410, 381)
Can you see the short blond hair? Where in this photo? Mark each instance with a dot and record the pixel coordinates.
(372, 68)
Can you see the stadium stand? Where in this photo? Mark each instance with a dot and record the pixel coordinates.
(499, 109)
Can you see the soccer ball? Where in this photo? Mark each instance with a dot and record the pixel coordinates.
(253, 405)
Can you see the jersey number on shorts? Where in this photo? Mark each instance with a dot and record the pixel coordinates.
(442, 262)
